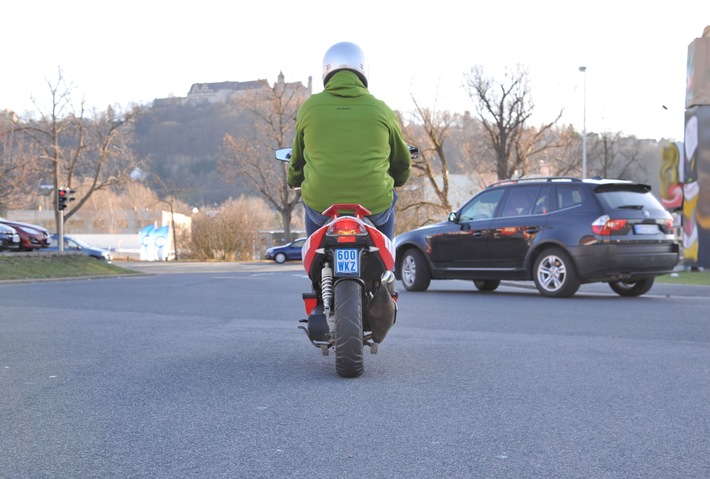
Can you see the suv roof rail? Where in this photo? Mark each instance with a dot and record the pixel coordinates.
(536, 179)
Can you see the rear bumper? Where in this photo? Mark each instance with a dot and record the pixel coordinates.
(610, 262)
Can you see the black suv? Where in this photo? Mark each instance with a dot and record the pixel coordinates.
(558, 232)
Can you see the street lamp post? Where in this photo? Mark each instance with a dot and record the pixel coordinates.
(584, 125)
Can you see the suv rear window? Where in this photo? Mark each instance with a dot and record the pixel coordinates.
(633, 197)
(568, 196)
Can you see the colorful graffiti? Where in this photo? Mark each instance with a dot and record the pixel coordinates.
(696, 187)
(155, 243)
(695, 172)
(672, 176)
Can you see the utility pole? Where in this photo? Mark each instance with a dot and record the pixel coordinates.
(584, 124)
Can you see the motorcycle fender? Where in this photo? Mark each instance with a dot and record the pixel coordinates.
(310, 300)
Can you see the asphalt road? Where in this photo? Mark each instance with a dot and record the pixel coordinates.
(199, 371)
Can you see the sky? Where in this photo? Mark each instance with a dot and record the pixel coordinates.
(132, 52)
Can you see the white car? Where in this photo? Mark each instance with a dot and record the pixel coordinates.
(75, 245)
(9, 239)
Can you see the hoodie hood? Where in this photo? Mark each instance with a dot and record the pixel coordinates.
(346, 84)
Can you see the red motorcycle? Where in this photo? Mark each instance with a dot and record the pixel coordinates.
(353, 302)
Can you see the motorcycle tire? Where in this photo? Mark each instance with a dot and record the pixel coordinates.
(348, 329)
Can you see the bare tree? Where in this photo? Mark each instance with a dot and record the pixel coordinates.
(564, 158)
(170, 198)
(477, 154)
(504, 109)
(17, 164)
(429, 133)
(105, 206)
(612, 155)
(79, 152)
(251, 155)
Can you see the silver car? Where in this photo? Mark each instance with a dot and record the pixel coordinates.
(75, 245)
(9, 239)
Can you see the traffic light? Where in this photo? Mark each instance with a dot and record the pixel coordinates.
(63, 197)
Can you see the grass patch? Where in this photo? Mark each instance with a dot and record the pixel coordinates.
(18, 266)
(701, 278)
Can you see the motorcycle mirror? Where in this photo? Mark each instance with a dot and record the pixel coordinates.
(283, 154)
(414, 152)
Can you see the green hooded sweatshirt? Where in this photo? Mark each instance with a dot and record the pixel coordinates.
(348, 148)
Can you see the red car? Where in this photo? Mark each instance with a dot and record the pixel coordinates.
(32, 237)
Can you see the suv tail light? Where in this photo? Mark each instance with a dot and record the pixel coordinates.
(604, 225)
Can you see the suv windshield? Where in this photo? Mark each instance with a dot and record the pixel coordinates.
(482, 206)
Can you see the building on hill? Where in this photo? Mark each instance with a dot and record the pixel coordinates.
(222, 92)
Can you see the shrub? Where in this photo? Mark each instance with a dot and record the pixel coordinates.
(231, 232)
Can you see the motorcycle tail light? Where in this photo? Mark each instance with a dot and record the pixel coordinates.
(346, 227)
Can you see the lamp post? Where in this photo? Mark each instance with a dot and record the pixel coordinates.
(584, 125)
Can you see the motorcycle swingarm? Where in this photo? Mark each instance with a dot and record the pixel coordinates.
(325, 346)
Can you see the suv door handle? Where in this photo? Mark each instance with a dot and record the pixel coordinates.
(477, 234)
(532, 230)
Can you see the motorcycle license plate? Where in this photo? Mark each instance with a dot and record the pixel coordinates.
(347, 262)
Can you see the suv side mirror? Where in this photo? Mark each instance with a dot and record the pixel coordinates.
(453, 218)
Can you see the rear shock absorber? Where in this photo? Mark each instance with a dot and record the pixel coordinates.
(327, 288)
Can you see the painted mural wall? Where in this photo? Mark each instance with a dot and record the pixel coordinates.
(685, 167)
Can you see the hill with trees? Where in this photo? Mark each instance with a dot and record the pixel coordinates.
(199, 153)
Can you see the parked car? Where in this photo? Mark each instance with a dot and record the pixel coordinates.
(32, 237)
(287, 252)
(75, 245)
(9, 239)
(557, 232)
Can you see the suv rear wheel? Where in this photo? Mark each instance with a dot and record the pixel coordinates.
(632, 288)
(555, 275)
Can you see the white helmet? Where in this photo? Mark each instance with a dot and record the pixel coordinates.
(344, 56)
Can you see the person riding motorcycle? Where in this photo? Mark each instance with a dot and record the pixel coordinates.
(348, 147)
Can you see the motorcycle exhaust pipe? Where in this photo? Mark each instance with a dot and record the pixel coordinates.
(381, 310)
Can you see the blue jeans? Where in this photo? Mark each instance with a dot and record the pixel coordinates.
(383, 221)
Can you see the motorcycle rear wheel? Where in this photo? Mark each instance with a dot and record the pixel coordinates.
(348, 329)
